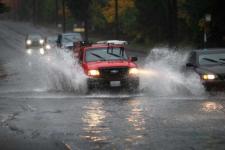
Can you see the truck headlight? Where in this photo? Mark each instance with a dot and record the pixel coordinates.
(93, 73)
(208, 77)
(133, 71)
(42, 51)
(41, 41)
(28, 42)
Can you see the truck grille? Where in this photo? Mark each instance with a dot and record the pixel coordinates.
(114, 73)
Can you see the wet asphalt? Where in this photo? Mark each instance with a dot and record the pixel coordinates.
(36, 119)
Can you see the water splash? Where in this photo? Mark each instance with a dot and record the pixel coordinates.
(65, 72)
(165, 76)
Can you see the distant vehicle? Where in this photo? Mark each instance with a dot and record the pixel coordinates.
(107, 65)
(210, 65)
(50, 42)
(35, 44)
(66, 40)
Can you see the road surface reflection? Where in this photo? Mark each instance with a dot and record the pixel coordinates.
(136, 121)
(93, 120)
(211, 106)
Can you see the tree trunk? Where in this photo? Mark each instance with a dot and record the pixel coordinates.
(172, 33)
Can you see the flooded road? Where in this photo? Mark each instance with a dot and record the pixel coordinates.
(112, 122)
(46, 107)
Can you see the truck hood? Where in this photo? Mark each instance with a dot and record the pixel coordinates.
(109, 64)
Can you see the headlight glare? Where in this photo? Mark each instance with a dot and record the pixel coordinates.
(28, 42)
(42, 51)
(93, 73)
(208, 76)
(41, 41)
(133, 71)
(48, 46)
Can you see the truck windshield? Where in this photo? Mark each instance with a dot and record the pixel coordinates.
(105, 54)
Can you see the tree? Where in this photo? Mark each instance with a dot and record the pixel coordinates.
(109, 9)
(153, 19)
(172, 22)
(3, 8)
(81, 11)
(126, 13)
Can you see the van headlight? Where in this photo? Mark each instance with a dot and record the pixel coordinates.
(42, 51)
(93, 73)
(41, 41)
(28, 42)
(133, 71)
(209, 76)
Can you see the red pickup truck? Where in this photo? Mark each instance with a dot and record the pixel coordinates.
(107, 65)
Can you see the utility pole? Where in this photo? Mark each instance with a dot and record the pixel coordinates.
(116, 20)
(34, 11)
(207, 21)
(64, 16)
(172, 32)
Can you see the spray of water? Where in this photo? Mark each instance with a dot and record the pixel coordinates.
(163, 75)
(64, 72)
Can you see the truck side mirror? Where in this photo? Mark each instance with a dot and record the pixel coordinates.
(133, 59)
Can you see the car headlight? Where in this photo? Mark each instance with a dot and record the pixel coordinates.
(29, 51)
(48, 46)
(41, 41)
(93, 73)
(208, 76)
(42, 51)
(28, 42)
(133, 71)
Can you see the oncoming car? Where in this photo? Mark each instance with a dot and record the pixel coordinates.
(35, 44)
(50, 42)
(210, 65)
(107, 65)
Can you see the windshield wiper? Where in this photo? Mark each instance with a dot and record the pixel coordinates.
(223, 59)
(116, 55)
(96, 55)
(215, 61)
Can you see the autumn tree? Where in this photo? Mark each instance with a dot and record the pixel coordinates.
(126, 13)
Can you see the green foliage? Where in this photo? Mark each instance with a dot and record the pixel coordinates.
(3, 8)
(153, 19)
(196, 10)
(97, 18)
(25, 11)
(80, 8)
(46, 10)
(128, 23)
